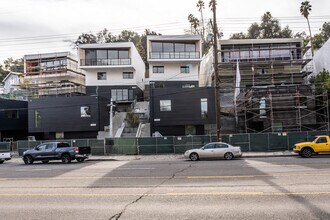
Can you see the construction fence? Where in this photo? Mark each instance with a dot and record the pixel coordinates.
(179, 144)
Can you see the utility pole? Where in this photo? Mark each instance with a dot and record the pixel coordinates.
(216, 82)
(110, 119)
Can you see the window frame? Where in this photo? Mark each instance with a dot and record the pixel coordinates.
(156, 69)
(165, 105)
(183, 69)
(128, 75)
(99, 74)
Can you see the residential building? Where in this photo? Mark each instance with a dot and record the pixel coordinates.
(11, 82)
(174, 60)
(262, 86)
(178, 111)
(113, 70)
(67, 117)
(13, 120)
(177, 105)
(53, 74)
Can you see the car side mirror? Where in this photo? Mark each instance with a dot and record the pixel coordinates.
(36, 148)
(202, 148)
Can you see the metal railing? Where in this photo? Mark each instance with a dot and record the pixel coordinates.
(174, 55)
(105, 62)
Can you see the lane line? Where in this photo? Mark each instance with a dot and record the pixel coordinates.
(167, 177)
(166, 194)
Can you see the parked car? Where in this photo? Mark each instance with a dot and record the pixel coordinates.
(319, 144)
(56, 151)
(214, 150)
(4, 156)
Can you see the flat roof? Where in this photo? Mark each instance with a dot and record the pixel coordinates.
(49, 55)
(107, 45)
(186, 37)
(261, 41)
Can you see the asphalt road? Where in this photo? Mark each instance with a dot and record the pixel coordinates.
(167, 188)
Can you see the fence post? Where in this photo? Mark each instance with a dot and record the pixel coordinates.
(156, 145)
(268, 142)
(173, 144)
(249, 138)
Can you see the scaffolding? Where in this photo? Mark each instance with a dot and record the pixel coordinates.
(273, 96)
(54, 74)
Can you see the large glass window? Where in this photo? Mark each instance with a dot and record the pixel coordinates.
(12, 114)
(101, 76)
(262, 107)
(127, 75)
(165, 105)
(85, 111)
(123, 54)
(156, 47)
(112, 54)
(37, 118)
(102, 54)
(204, 108)
(122, 94)
(190, 47)
(185, 69)
(158, 69)
(179, 47)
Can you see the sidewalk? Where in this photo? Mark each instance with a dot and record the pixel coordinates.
(180, 156)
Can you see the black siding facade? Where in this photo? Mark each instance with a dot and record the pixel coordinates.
(63, 114)
(185, 110)
(13, 119)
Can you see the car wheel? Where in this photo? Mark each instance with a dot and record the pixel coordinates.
(306, 152)
(66, 158)
(80, 159)
(1, 161)
(28, 159)
(229, 156)
(194, 156)
(45, 161)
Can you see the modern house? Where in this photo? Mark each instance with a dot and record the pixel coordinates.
(53, 74)
(113, 70)
(174, 60)
(67, 117)
(13, 120)
(177, 105)
(11, 82)
(262, 86)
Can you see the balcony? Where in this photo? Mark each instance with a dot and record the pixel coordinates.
(175, 55)
(105, 62)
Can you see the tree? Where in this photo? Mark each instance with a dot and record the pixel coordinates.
(3, 73)
(201, 5)
(194, 24)
(268, 28)
(305, 8)
(14, 65)
(321, 81)
(322, 37)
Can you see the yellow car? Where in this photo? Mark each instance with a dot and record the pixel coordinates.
(307, 149)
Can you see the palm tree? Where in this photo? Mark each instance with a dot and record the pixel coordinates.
(305, 8)
(201, 5)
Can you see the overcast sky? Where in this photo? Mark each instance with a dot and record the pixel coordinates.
(39, 26)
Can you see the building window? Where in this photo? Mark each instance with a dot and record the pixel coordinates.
(127, 75)
(37, 118)
(188, 85)
(101, 76)
(122, 94)
(85, 111)
(12, 114)
(204, 108)
(158, 69)
(185, 69)
(165, 105)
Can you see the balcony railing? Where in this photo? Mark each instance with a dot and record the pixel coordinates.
(105, 62)
(174, 55)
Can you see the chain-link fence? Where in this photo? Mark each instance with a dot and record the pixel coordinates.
(179, 144)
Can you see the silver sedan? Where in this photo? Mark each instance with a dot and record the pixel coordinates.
(214, 150)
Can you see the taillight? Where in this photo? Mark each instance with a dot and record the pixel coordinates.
(76, 149)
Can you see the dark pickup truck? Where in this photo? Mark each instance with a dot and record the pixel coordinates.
(56, 151)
